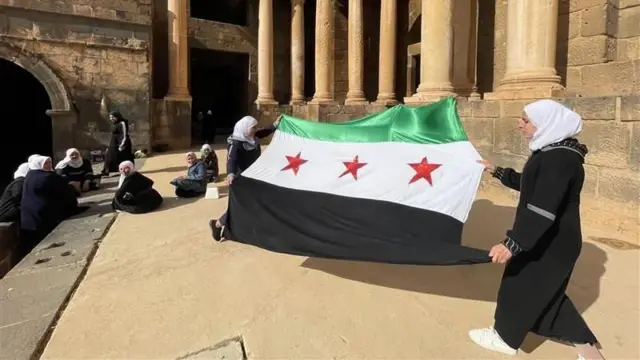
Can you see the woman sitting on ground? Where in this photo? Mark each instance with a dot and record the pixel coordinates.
(47, 199)
(210, 160)
(243, 151)
(135, 193)
(12, 196)
(195, 182)
(77, 171)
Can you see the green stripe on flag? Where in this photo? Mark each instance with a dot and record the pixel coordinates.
(437, 123)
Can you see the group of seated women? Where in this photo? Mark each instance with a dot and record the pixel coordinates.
(39, 199)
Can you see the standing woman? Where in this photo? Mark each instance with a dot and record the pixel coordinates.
(243, 150)
(544, 244)
(120, 146)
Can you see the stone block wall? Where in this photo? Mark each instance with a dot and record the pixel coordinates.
(598, 46)
(99, 49)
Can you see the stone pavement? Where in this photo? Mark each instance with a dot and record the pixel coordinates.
(160, 288)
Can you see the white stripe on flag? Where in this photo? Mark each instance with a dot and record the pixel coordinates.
(386, 176)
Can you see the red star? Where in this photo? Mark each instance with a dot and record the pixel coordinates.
(352, 167)
(294, 163)
(423, 170)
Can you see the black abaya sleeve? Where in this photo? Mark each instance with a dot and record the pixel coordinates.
(508, 177)
(266, 131)
(551, 183)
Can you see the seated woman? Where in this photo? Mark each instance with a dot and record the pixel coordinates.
(195, 182)
(77, 171)
(135, 193)
(243, 150)
(210, 160)
(12, 196)
(47, 200)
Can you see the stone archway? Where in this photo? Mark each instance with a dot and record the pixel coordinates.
(62, 112)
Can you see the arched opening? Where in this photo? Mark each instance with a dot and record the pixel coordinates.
(26, 127)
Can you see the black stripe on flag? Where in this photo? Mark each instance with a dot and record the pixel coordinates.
(323, 225)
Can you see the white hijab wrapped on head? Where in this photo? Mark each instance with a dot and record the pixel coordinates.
(22, 171)
(67, 161)
(132, 168)
(554, 122)
(36, 162)
(241, 132)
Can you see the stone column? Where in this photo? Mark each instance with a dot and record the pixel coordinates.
(436, 51)
(473, 51)
(355, 53)
(387, 62)
(297, 52)
(178, 50)
(265, 53)
(531, 51)
(324, 52)
(462, 39)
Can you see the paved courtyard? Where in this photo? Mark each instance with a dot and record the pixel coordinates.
(160, 288)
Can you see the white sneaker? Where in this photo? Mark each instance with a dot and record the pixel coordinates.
(488, 338)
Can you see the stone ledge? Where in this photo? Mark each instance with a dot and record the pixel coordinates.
(34, 292)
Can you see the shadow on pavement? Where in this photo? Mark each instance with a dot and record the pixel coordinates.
(486, 226)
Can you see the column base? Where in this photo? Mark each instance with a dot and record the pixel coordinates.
(265, 101)
(172, 123)
(530, 93)
(297, 100)
(356, 101)
(427, 98)
(322, 101)
(178, 96)
(386, 99)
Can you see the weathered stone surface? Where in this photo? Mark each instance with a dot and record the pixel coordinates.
(619, 185)
(508, 138)
(630, 108)
(629, 23)
(485, 109)
(513, 108)
(634, 152)
(228, 350)
(608, 143)
(610, 78)
(595, 108)
(598, 20)
(20, 340)
(589, 189)
(588, 50)
(480, 132)
(628, 49)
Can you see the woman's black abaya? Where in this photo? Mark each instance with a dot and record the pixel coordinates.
(546, 241)
(120, 146)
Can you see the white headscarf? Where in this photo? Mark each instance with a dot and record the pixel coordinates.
(67, 161)
(205, 147)
(36, 162)
(127, 164)
(22, 171)
(241, 130)
(554, 122)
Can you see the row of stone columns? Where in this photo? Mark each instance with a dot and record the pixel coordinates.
(531, 44)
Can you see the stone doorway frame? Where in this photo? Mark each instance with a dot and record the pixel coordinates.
(63, 113)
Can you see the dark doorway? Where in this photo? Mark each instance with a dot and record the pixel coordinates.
(26, 128)
(225, 11)
(416, 72)
(219, 82)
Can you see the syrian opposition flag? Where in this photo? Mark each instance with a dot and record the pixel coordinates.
(393, 187)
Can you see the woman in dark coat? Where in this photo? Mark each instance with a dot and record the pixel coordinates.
(77, 171)
(47, 199)
(12, 196)
(120, 146)
(135, 193)
(194, 184)
(243, 150)
(544, 244)
(210, 160)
